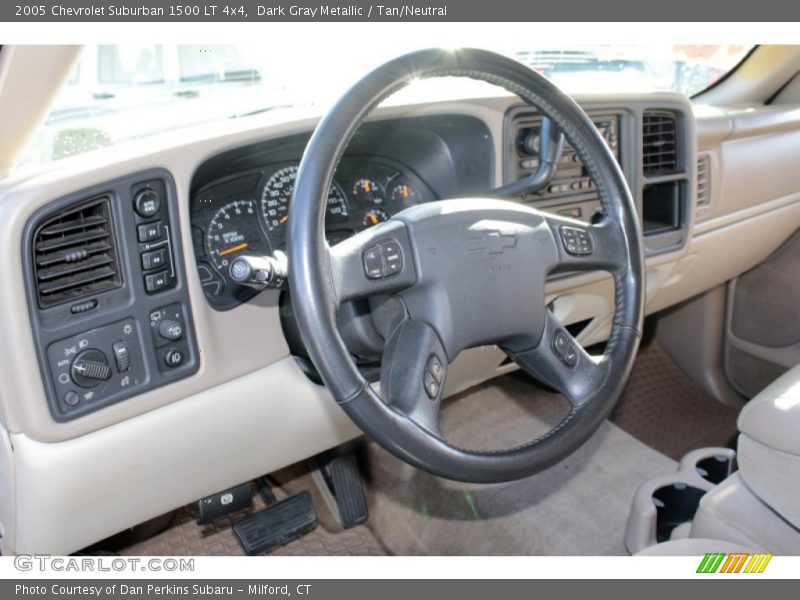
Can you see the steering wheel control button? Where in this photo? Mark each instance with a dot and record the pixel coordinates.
(431, 385)
(434, 374)
(173, 358)
(150, 231)
(147, 203)
(170, 330)
(576, 240)
(373, 263)
(156, 282)
(435, 367)
(121, 356)
(564, 349)
(154, 259)
(383, 259)
(392, 258)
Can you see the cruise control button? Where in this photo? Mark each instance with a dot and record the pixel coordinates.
(373, 262)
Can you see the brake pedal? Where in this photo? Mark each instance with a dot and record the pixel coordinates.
(276, 525)
(339, 481)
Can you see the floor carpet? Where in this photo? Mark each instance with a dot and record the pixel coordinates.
(577, 507)
(664, 409)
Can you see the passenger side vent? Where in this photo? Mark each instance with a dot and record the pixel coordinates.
(703, 184)
(74, 254)
(659, 143)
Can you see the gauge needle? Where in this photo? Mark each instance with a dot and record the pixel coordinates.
(233, 249)
(373, 218)
(283, 220)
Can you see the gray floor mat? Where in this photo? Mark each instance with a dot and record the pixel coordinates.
(578, 507)
(663, 408)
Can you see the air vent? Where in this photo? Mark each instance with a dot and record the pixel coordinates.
(74, 254)
(659, 143)
(703, 184)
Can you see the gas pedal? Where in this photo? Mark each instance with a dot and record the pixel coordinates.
(340, 483)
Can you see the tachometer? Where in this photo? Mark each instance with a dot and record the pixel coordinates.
(278, 191)
(234, 230)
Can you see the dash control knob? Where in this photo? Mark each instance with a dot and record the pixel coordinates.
(170, 330)
(90, 368)
(173, 358)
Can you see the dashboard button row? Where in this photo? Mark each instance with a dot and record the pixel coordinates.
(154, 243)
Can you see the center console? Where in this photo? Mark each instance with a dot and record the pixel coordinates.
(107, 294)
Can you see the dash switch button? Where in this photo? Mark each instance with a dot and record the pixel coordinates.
(121, 356)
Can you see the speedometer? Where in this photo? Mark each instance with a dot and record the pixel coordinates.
(278, 191)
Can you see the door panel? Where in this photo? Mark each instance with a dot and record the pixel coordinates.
(763, 332)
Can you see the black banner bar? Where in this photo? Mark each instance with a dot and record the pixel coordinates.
(311, 589)
(396, 11)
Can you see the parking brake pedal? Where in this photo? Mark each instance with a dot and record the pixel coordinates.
(277, 524)
(340, 484)
(224, 503)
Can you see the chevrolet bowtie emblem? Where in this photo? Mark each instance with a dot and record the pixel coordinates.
(490, 242)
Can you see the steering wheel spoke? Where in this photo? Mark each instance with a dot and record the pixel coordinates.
(582, 247)
(413, 373)
(378, 260)
(562, 363)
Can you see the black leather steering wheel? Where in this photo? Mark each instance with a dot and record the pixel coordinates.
(454, 274)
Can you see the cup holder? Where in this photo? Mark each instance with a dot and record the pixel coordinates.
(675, 504)
(663, 504)
(716, 469)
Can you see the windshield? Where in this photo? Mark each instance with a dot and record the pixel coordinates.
(118, 92)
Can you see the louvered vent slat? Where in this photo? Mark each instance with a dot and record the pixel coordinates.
(659, 143)
(74, 254)
(703, 180)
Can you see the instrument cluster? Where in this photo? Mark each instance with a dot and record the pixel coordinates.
(247, 213)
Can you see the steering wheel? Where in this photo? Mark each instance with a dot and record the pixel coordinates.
(454, 274)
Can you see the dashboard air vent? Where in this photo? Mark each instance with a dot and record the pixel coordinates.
(659, 143)
(703, 184)
(74, 254)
